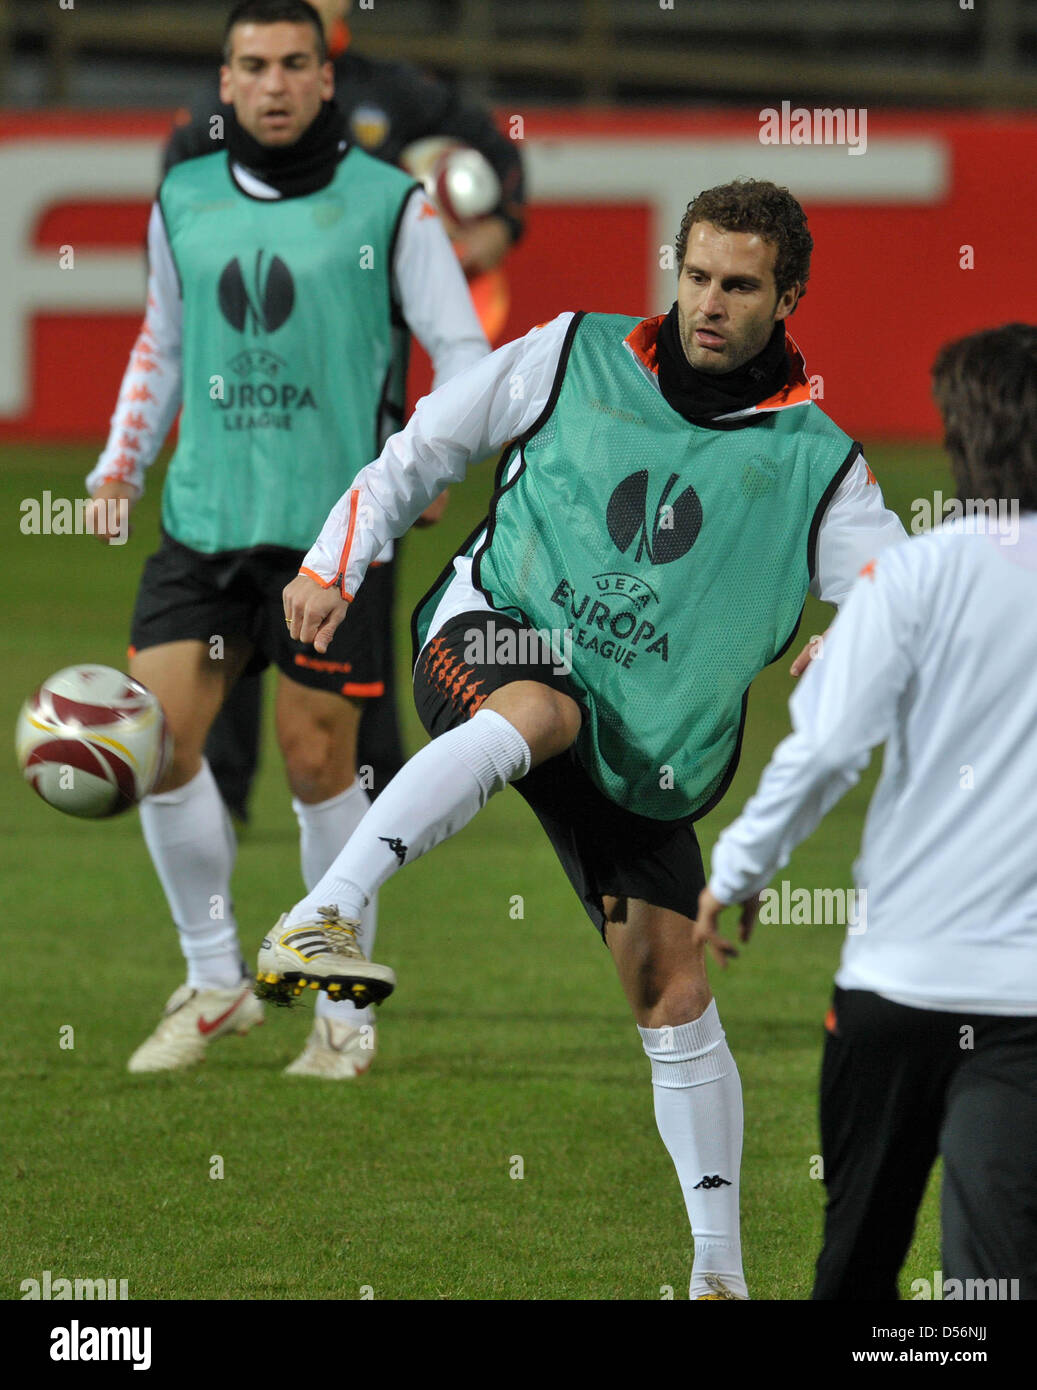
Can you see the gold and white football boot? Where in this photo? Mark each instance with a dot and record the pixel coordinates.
(323, 954)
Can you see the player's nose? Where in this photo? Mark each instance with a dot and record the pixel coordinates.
(275, 78)
(713, 300)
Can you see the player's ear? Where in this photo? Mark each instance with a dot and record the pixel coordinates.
(327, 81)
(787, 302)
(225, 85)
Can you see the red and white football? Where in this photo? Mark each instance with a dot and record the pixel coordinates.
(92, 741)
(459, 179)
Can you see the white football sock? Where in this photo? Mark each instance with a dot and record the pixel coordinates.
(432, 797)
(698, 1109)
(323, 829)
(191, 843)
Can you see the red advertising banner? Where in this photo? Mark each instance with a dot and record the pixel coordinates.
(923, 228)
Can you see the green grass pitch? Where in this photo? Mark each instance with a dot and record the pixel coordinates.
(506, 1038)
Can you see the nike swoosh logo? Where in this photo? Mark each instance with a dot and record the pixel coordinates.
(205, 1027)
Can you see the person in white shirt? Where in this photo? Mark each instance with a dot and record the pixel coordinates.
(667, 481)
(931, 1042)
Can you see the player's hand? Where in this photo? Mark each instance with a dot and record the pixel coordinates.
(482, 245)
(705, 928)
(111, 525)
(313, 613)
(434, 510)
(810, 652)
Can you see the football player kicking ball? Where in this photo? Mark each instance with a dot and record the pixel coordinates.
(669, 496)
(279, 271)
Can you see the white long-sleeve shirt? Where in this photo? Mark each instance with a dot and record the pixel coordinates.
(476, 414)
(428, 284)
(935, 655)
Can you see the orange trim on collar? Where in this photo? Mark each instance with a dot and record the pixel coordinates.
(643, 342)
(798, 389)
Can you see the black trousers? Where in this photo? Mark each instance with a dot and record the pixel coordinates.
(899, 1086)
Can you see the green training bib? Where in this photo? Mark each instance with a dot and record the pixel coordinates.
(669, 562)
(288, 349)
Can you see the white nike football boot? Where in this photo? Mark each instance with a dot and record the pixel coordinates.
(335, 1051)
(323, 954)
(193, 1019)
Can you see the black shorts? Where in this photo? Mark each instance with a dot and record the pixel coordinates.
(604, 849)
(186, 595)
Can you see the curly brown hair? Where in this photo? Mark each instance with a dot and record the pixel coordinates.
(985, 387)
(755, 205)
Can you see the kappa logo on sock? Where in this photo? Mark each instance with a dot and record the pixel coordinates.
(715, 1181)
(397, 846)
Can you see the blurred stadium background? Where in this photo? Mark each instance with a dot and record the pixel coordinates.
(626, 109)
(491, 1048)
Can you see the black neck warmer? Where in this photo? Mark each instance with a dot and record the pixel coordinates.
(704, 395)
(293, 170)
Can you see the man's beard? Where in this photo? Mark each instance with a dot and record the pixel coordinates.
(705, 361)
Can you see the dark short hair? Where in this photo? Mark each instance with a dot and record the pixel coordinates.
(985, 387)
(275, 12)
(755, 205)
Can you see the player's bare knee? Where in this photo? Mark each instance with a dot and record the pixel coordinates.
(317, 766)
(679, 1000)
(664, 986)
(566, 718)
(184, 765)
(187, 740)
(547, 719)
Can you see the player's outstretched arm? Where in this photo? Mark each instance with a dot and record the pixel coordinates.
(847, 705)
(475, 414)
